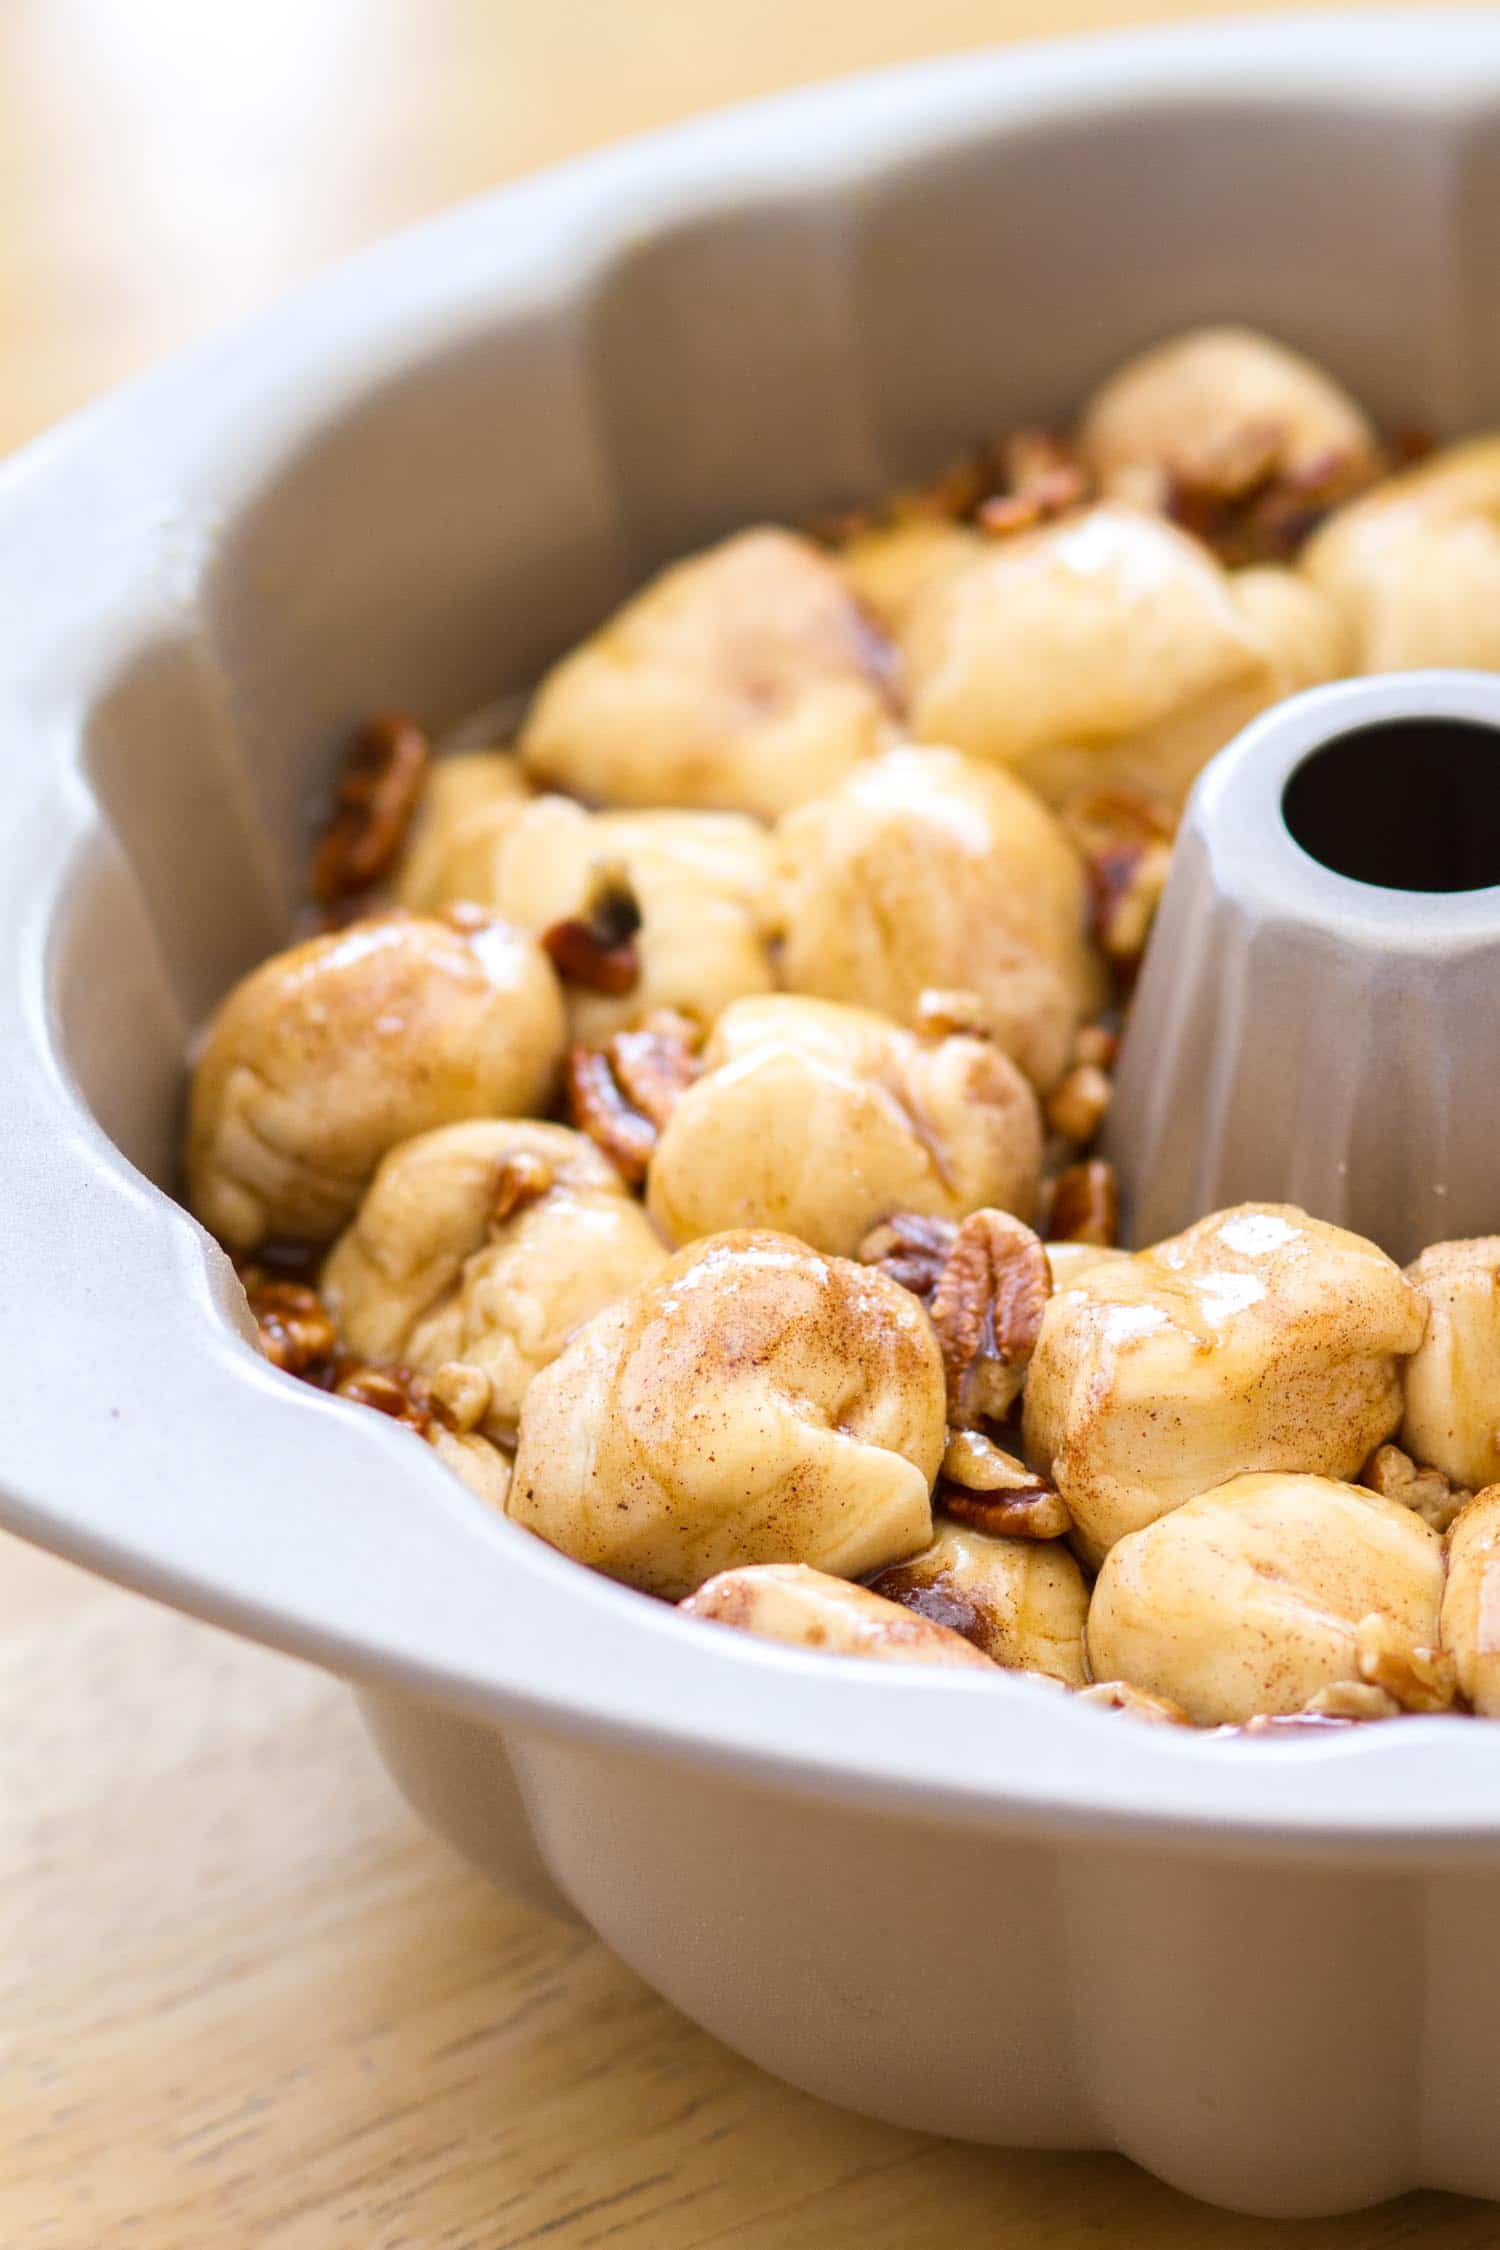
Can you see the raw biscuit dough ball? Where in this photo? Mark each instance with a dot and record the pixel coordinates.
(1471, 1602)
(805, 1608)
(1414, 566)
(446, 850)
(1023, 1601)
(1109, 649)
(925, 871)
(1258, 1339)
(437, 1272)
(330, 1053)
(702, 882)
(1194, 409)
(1452, 1382)
(892, 566)
(1250, 1598)
(754, 1403)
(823, 1120)
(746, 678)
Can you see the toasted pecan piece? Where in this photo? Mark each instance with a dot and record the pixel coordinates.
(622, 1094)
(911, 1248)
(383, 778)
(987, 1309)
(982, 1485)
(523, 1178)
(296, 1331)
(596, 948)
(1083, 1205)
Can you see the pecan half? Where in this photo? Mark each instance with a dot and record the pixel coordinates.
(1083, 1205)
(982, 1485)
(655, 1063)
(296, 1331)
(911, 1248)
(383, 778)
(596, 948)
(987, 1309)
(1427, 1492)
(523, 1178)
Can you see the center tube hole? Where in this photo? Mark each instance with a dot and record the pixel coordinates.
(1409, 804)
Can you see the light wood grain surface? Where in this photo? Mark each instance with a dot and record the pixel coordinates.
(243, 2001)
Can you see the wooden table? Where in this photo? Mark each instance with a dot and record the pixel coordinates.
(243, 2001)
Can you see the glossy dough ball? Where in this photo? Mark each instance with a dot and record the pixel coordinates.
(805, 1608)
(1249, 1598)
(925, 871)
(1023, 1601)
(823, 1120)
(746, 678)
(329, 1054)
(1191, 410)
(754, 1403)
(437, 1271)
(702, 882)
(1471, 1602)
(1258, 1339)
(447, 848)
(1415, 565)
(1108, 648)
(1452, 1382)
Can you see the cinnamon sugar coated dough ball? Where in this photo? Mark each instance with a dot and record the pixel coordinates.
(457, 811)
(1249, 1599)
(822, 1120)
(1414, 566)
(805, 1608)
(753, 1403)
(1259, 1339)
(1023, 1601)
(926, 871)
(746, 678)
(432, 1275)
(1190, 410)
(701, 880)
(1452, 1382)
(329, 1054)
(1108, 648)
(1471, 1602)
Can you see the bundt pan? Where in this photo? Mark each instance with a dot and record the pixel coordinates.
(1266, 1969)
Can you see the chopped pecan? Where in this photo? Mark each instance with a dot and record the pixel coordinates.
(1076, 1107)
(523, 1178)
(1042, 478)
(459, 1396)
(911, 1248)
(655, 1063)
(1083, 1205)
(596, 948)
(598, 1107)
(982, 1485)
(987, 1309)
(1427, 1492)
(296, 1331)
(389, 1390)
(1097, 1046)
(377, 794)
(1415, 1676)
(1250, 507)
(1125, 839)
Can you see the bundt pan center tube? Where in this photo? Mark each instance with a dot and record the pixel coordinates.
(1318, 1013)
(1267, 1968)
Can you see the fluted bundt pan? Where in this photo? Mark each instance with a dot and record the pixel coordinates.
(1317, 1016)
(1267, 1969)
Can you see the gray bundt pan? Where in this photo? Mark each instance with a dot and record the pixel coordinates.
(1270, 1971)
